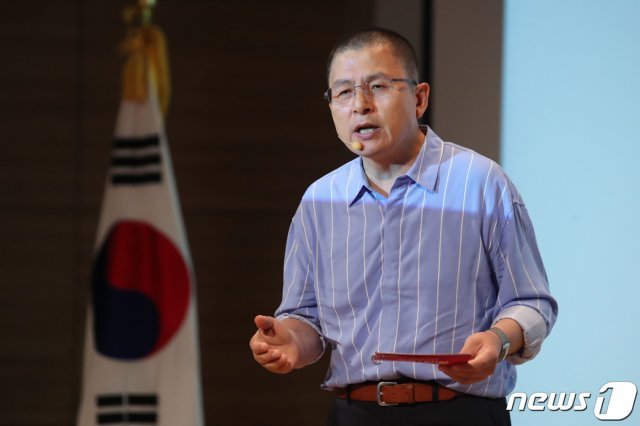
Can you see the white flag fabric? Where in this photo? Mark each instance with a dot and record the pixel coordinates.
(141, 360)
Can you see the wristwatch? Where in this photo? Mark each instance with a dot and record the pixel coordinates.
(504, 351)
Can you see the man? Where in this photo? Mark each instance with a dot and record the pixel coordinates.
(416, 246)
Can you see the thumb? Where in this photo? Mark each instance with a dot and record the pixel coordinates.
(483, 348)
(471, 346)
(265, 324)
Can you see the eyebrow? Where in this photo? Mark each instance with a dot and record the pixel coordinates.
(368, 78)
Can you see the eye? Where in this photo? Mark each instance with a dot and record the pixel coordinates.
(379, 87)
(344, 92)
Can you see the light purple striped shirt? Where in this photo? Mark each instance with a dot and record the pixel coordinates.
(450, 251)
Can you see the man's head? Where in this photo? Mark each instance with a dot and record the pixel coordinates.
(374, 96)
(401, 47)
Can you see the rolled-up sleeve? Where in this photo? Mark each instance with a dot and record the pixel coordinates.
(533, 328)
(523, 288)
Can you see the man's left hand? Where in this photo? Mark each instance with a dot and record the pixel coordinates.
(485, 348)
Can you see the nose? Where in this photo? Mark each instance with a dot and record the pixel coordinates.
(362, 101)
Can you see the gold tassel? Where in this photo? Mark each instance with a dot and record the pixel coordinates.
(145, 48)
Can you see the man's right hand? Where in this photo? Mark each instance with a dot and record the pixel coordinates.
(274, 346)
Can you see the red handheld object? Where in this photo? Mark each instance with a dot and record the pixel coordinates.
(442, 359)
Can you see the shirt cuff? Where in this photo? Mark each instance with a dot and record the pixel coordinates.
(534, 330)
(312, 325)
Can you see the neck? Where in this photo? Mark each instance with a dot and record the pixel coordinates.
(382, 173)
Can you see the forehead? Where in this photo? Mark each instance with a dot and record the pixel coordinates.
(355, 64)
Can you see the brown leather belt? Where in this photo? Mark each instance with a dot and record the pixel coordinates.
(393, 393)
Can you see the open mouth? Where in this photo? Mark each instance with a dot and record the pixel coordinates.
(365, 129)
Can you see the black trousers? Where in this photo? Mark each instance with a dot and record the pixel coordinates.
(462, 411)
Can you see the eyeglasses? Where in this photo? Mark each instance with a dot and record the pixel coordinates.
(378, 88)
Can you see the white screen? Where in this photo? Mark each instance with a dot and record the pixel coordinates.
(571, 143)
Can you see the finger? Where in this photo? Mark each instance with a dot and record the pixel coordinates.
(485, 358)
(280, 365)
(468, 369)
(466, 376)
(258, 346)
(472, 346)
(474, 378)
(268, 357)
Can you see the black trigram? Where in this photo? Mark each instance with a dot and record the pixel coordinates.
(136, 161)
(127, 409)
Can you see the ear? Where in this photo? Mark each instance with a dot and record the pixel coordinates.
(422, 98)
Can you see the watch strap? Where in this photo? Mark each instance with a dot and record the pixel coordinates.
(504, 340)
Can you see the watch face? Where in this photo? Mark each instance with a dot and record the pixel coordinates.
(505, 351)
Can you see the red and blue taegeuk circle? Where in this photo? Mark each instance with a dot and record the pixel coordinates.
(140, 291)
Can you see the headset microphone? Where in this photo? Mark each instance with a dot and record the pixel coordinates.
(355, 145)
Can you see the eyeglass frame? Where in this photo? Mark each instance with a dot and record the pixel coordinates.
(366, 89)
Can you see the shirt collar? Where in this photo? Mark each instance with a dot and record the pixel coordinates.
(424, 170)
(358, 183)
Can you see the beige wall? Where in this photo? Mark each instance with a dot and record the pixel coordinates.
(467, 62)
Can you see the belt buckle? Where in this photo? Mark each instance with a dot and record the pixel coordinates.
(379, 393)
